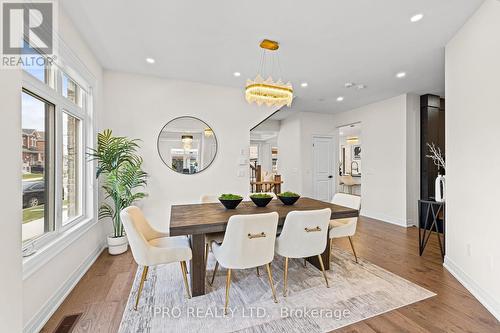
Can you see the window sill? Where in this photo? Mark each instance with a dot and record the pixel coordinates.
(34, 262)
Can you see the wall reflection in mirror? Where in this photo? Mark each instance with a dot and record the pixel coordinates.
(187, 145)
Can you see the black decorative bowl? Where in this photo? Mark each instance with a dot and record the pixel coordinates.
(230, 204)
(261, 202)
(288, 200)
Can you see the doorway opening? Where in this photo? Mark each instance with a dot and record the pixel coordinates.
(349, 159)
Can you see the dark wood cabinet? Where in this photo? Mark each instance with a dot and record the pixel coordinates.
(432, 130)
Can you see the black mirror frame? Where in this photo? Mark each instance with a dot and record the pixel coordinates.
(183, 117)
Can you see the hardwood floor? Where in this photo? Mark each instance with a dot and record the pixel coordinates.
(102, 294)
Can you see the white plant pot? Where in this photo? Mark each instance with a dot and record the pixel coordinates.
(117, 245)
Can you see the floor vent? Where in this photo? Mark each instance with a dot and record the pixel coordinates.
(68, 323)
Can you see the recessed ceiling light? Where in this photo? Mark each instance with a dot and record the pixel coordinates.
(304, 84)
(237, 74)
(416, 17)
(348, 84)
(401, 75)
(150, 60)
(340, 99)
(361, 86)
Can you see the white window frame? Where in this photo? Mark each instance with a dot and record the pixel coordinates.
(87, 194)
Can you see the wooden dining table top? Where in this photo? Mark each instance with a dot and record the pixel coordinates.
(205, 218)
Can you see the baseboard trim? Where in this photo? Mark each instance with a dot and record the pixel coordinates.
(479, 293)
(36, 323)
(385, 218)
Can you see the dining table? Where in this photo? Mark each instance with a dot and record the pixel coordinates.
(196, 220)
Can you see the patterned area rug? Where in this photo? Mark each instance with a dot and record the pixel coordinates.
(357, 292)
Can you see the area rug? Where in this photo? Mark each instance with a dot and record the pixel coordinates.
(357, 292)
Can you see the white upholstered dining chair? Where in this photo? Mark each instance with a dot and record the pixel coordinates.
(304, 235)
(345, 227)
(214, 236)
(248, 243)
(151, 247)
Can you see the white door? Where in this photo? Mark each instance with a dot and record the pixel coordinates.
(323, 154)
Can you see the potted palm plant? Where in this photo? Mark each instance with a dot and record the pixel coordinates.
(120, 169)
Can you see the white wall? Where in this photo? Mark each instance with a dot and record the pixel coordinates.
(412, 158)
(472, 138)
(390, 179)
(289, 154)
(10, 237)
(386, 166)
(45, 288)
(138, 106)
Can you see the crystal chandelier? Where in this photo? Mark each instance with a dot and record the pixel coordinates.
(267, 91)
(186, 141)
(208, 132)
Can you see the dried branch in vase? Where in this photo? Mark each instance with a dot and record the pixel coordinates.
(436, 155)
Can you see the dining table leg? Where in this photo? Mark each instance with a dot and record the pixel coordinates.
(197, 272)
(325, 256)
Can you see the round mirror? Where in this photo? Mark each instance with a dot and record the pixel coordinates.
(187, 145)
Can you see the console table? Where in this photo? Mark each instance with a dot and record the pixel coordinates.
(428, 224)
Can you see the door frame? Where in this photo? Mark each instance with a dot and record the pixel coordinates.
(333, 138)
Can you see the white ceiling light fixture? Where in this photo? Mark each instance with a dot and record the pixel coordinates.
(304, 84)
(150, 60)
(361, 86)
(401, 75)
(340, 99)
(236, 74)
(349, 85)
(417, 17)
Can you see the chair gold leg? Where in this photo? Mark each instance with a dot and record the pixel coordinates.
(331, 245)
(184, 275)
(215, 271)
(353, 250)
(258, 273)
(228, 284)
(141, 284)
(285, 280)
(305, 262)
(323, 269)
(270, 276)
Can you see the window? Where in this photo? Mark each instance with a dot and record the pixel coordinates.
(54, 122)
(38, 69)
(37, 121)
(71, 90)
(71, 198)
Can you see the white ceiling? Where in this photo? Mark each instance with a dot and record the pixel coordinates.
(325, 42)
